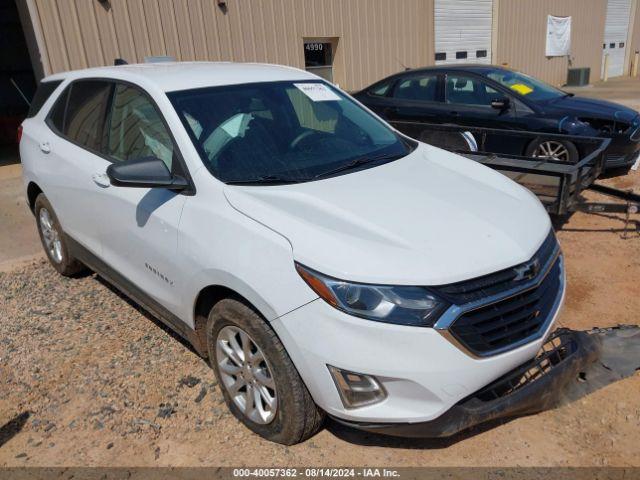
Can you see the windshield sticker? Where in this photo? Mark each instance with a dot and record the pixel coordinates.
(318, 92)
(521, 88)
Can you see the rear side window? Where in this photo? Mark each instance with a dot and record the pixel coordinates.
(80, 111)
(44, 91)
(381, 89)
(85, 112)
(420, 87)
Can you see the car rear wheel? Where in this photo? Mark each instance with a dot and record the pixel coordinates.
(53, 239)
(259, 382)
(559, 150)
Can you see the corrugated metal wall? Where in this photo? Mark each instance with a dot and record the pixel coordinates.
(522, 26)
(635, 39)
(376, 37)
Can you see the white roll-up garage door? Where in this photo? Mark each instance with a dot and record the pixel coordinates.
(616, 29)
(463, 31)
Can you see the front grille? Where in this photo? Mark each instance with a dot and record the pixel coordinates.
(503, 324)
(558, 347)
(488, 285)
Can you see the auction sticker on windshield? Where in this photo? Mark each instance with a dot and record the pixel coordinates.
(318, 92)
(521, 88)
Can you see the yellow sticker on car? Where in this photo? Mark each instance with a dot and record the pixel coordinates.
(521, 88)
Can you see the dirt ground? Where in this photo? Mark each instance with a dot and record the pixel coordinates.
(87, 378)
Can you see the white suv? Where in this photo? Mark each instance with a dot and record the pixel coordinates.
(322, 261)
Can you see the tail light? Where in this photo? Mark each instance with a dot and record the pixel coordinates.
(19, 135)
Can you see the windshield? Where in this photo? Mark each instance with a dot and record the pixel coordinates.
(289, 131)
(525, 85)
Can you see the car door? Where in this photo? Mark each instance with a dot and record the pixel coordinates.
(469, 103)
(417, 100)
(71, 157)
(140, 234)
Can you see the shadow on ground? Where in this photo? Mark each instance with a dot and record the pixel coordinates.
(618, 358)
(13, 427)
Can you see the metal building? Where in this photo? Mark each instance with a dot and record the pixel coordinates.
(351, 42)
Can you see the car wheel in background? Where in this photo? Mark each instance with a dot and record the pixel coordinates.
(53, 239)
(560, 150)
(260, 384)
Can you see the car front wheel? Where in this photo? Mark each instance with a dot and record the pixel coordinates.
(559, 150)
(259, 382)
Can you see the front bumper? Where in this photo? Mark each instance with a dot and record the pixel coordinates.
(623, 151)
(533, 387)
(423, 373)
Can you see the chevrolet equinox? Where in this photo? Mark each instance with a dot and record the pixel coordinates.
(323, 262)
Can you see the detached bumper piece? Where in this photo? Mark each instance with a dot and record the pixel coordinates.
(533, 387)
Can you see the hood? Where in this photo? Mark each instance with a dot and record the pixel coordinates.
(430, 218)
(591, 107)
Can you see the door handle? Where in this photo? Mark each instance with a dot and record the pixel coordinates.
(454, 113)
(45, 147)
(101, 179)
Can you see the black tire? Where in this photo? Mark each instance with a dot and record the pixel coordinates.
(297, 417)
(65, 264)
(572, 150)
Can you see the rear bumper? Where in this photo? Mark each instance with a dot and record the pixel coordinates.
(534, 386)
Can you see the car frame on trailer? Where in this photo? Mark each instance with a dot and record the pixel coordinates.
(559, 185)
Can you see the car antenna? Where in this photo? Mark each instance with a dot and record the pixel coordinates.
(120, 61)
(403, 65)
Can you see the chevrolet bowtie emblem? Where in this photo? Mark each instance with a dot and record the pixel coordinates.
(527, 271)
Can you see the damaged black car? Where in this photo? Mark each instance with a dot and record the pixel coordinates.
(487, 96)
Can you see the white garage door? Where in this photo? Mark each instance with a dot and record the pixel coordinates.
(615, 35)
(463, 31)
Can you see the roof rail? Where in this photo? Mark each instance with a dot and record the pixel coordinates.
(159, 59)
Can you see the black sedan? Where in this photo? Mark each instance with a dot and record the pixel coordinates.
(495, 97)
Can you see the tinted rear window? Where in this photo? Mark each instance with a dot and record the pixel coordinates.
(44, 91)
(85, 112)
(79, 113)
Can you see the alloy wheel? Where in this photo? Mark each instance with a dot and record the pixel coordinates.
(552, 150)
(51, 235)
(246, 375)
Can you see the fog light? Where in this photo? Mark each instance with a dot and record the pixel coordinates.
(357, 389)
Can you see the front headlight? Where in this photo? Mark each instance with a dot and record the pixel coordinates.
(414, 306)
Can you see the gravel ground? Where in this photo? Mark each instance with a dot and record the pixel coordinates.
(87, 378)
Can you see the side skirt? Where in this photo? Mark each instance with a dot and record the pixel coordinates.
(136, 294)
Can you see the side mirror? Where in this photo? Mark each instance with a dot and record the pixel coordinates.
(145, 172)
(500, 103)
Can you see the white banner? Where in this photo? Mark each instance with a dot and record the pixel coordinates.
(558, 36)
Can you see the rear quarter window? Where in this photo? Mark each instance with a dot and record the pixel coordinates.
(44, 91)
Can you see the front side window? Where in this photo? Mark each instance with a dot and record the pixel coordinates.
(136, 129)
(79, 112)
(422, 88)
(294, 131)
(463, 90)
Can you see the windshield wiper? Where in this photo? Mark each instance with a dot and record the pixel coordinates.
(354, 164)
(267, 179)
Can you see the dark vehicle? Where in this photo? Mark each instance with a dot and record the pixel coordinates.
(495, 97)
